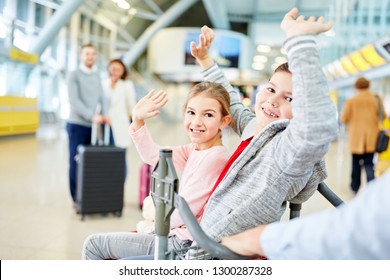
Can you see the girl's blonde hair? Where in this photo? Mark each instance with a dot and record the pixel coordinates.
(214, 91)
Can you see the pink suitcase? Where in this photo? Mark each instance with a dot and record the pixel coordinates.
(145, 180)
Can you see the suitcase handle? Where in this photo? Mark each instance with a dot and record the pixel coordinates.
(96, 135)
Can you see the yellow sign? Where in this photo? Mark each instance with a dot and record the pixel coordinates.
(348, 66)
(372, 56)
(359, 61)
(22, 56)
(18, 115)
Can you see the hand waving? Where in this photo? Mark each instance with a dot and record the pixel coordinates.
(148, 107)
(292, 26)
(201, 51)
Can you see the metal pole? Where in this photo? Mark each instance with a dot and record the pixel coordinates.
(51, 29)
(329, 195)
(167, 18)
(161, 223)
(295, 210)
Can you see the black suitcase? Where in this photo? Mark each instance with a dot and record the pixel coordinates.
(100, 179)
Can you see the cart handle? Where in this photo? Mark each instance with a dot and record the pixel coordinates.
(205, 242)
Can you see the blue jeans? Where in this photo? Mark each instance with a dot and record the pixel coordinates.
(77, 135)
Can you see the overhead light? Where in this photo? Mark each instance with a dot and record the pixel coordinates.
(258, 66)
(123, 4)
(132, 11)
(260, 58)
(263, 48)
(280, 59)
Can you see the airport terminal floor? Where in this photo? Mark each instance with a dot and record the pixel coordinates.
(37, 219)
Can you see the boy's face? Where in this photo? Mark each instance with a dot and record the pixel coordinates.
(273, 102)
(88, 56)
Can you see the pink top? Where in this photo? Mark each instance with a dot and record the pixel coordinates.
(200, 170)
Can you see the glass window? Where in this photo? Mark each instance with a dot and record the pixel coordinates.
(39, 15)
(22, 10)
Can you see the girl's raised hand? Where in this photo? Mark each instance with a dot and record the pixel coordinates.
(148, 107)
(201, 51)
(293, 26)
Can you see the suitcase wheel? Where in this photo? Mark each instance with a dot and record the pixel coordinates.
(118, 214)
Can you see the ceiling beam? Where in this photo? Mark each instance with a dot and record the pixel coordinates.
(53, 26)
(274, 17)
(154, 7)
(91, 9)
(167, 18)
(217, 12)
(146, 15)
(107, 23)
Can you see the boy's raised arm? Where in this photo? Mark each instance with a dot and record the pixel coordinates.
(201, 51)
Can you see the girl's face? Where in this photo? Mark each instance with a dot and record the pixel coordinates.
(115, 70)
(273, 102)
(203, 121)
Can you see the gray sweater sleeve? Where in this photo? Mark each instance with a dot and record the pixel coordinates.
(314, 124)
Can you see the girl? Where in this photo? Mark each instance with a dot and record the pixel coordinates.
(206, 114)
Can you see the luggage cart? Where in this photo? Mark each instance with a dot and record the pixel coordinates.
(164, 193)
